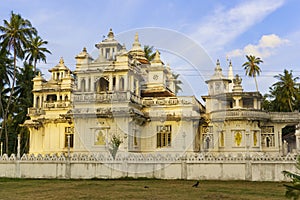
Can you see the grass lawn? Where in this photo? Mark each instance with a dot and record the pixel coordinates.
(135, 189)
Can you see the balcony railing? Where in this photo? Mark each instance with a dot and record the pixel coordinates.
(35, 111)
(107, 97)
(239, 114)
(57, 104)
(152, 101)
(285, 116)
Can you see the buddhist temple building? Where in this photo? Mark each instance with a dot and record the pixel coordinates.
(121, 94)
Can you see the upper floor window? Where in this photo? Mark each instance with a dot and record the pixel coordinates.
(69, 137)
(51, 98)
(164, 136)
(101, 85)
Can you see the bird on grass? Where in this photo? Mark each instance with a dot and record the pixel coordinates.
(146, 186)
(196, 184)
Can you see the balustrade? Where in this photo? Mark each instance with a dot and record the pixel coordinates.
(239, 114)
(57, 104)
(35, 111)
(107, 97)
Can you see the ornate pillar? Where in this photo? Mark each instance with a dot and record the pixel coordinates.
(126, 82)
(35, 105)
(117, 82)
(255, 106)
(137, 89)
(110, 84)
(92, 84)
(132, 83)
(19, 147)
(237, 102)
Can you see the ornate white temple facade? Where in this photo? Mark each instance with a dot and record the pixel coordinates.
(235, 121)
(121, 94)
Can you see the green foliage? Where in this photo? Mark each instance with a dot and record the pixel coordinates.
(252, 67)
(284, 94)
(293, 191)
(149, 54)
(17, 40)
(35, 50)
(114, 145)
(178, 82)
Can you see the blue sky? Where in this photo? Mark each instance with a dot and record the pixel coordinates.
(224, 30)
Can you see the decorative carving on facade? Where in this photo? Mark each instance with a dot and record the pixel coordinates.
(267, 129)
(238, 138)
(106, 157)
(255, 133)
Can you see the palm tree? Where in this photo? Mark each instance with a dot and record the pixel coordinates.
(6, 72)
(285, 90)
(177, 82)
(252, 67)
(23, 100)
(14, 37)
(149, 54)
(35, 51)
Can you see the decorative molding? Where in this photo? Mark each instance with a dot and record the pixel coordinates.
(106, 157)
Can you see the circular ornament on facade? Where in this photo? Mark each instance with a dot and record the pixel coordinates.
(155, 77)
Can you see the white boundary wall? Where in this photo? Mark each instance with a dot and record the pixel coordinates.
(203, 166)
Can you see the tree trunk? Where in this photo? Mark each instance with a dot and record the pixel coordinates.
(290, 105)
(34, 67)
(256, 83)
(4, 123)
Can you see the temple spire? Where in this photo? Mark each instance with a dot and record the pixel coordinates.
(110, 34)
(136, 44)
(230, 76)
(156, 58)
(61, 61)
(218, 69)
(230, 71)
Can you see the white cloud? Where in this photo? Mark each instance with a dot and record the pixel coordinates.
(266, 47)
(224, 25)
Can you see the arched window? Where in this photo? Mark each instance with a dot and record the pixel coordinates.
(114, 83)
(101, 85)
(37, 103)
(121, 84)
(66, 98)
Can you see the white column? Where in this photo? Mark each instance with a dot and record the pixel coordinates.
(19, 147)
(92, 83)
(126, 82)
(131, 83)
(86, 84)
(117, 82)
(255, 103)
(110, 85)
(34, 101)
(237, 102)
(137, 90)
(79, 83)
